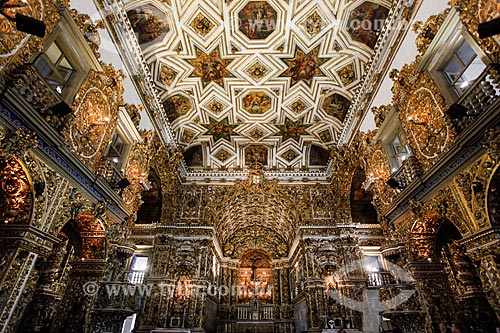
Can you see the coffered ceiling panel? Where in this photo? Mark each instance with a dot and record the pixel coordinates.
(249, 80)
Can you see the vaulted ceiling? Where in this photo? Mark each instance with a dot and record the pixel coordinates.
(267, 81)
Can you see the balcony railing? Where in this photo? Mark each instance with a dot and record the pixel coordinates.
(245, 312)
(112, 175)
(38, 93)
(409, 171)
(134, 277)
(475, 100)
(377, 279)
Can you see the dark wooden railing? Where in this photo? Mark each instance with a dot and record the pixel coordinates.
(409, 171)
(33, 88)
(475, 100)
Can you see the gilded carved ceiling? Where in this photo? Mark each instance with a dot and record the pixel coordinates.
(268, 81)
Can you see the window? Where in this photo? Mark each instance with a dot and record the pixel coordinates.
(66, 59)
(138, 268)
(55, 68)
(463, 68)
(453, 59)
(393, 140)
(398, 151)
(373, 263)
(118, 149)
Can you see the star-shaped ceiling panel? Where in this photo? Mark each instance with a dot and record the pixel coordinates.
(245, 80)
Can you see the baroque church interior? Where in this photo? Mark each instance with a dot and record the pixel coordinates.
(244, 166)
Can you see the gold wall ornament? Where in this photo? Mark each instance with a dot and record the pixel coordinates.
(92, 122)
(18, 48)
(447, 203)
(377, 173)
(426, 123)
(16, 192)
(489, 273)
(380, 113)
(422, 245)
(474, 12)
(89, 30)
(96, 111)
(420, 105)
(137, 170)
(11, 37)
(473, 184)
(18, 143)
(493, 145)
(428, 30)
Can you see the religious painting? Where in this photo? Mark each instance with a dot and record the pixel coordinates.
(318, 156)
(304, 66)
(256, 153)
(489, 10)
(210, 67)
(149, 23)
(194, 156)
(256, 102)
(176, 106)
(257, 20)
(336, 106)
(366, 21)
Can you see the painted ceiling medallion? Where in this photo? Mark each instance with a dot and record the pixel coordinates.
(149, 23)
(257, 102)
(256, 153)
(314, 24)
(188, 136)
(176, 106)
(325, 136)
(216, 107)
(256, 133)
(298, 106)
(290, 155)
(167, 75)
(210, 67)
(223, 155)
(257, 71)
(304, 66)
(257, 20)
(347, 74)
(201, 25)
